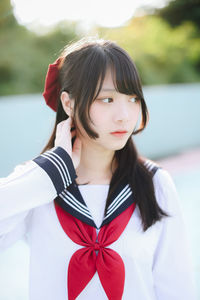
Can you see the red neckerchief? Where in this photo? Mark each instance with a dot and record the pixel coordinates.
(84, 262)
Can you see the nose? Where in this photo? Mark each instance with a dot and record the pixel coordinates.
(121, 112)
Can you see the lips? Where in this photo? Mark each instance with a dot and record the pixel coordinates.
(119, 134)
(119, 131)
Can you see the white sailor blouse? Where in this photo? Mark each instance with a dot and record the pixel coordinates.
(72, 258)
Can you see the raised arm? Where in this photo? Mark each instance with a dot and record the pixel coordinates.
(34, 183)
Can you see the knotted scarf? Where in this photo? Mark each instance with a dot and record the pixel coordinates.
(85, 262)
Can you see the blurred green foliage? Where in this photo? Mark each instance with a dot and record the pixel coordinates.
(24, 55)
(162, 54)
(179, 11)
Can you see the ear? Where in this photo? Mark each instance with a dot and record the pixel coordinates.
(67, 103)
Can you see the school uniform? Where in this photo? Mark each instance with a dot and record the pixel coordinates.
(78, 253)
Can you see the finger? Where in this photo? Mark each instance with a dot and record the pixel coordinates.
(63, 122)
(67, 125)
(60, 126)
(77, 145)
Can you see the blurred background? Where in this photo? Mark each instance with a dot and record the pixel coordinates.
(162, 37)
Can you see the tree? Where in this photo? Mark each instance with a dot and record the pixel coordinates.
(178, 11)
(162, 54)
(25, 55)
(7, 18)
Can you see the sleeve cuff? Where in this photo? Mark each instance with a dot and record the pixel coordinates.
(59, 166)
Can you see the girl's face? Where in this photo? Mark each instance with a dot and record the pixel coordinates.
(111, 112)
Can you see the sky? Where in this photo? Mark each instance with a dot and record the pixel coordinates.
(108, 13)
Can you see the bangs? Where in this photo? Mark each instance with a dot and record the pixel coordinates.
(83, 72)
(124, 73)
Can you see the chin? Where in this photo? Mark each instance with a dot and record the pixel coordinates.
(118, 147)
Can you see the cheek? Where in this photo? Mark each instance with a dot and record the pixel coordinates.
(137, 112)
(97, 114)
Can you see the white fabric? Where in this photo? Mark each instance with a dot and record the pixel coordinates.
(95, 198)
(157, 262)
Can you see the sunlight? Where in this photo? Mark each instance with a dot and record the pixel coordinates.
(88, 12)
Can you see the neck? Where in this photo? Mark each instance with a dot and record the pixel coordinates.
(95, 165)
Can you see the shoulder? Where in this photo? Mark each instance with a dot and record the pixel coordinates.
(162, 179)
(151, 165)
(164, 187)
(166, 193)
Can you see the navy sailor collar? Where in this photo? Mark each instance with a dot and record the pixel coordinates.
(72, 201)
(59, 166)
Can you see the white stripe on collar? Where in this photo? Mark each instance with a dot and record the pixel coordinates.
(75, 204)
(59, 163)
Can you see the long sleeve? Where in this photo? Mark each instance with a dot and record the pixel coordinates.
(34, 183)
(172, 266)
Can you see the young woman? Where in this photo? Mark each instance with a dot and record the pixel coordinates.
(101, 221)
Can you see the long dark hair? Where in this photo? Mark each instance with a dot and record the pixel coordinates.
(81, 73)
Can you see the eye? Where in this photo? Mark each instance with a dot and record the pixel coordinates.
(105, 100)
(134, 99)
